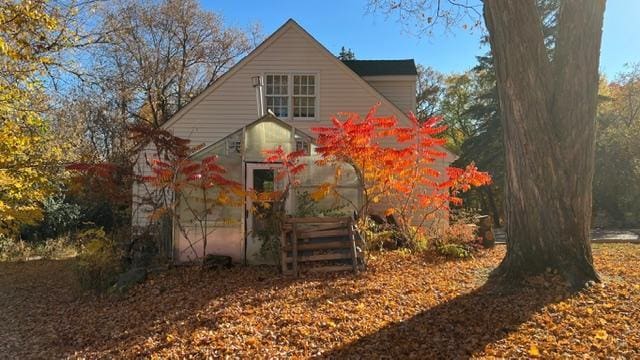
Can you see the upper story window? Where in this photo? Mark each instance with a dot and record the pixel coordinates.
(292, 95)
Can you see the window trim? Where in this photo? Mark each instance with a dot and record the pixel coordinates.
(290, 75)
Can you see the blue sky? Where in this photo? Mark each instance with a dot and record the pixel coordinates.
(337, 23)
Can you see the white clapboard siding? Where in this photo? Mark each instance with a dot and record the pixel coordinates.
(400, 90)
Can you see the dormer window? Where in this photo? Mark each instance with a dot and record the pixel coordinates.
(292, 96)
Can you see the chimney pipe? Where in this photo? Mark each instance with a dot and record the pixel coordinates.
(256, 81)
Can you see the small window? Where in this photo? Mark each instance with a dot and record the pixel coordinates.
(303, 142)
(304, 96)
(302, 145)
(277, 94)
(291, 95)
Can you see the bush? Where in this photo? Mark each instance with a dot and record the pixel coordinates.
(60, 217)
(99, 262)
(18, 250)
(458, 240)
(12, 250)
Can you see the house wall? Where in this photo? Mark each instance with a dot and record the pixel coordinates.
(401, 90)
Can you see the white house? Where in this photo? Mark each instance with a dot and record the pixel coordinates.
(303, 85)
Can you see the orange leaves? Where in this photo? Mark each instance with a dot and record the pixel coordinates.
(406, 305)
(321, 192)
(290, 163)
(396, 164)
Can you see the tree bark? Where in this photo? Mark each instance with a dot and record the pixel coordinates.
(548, 110)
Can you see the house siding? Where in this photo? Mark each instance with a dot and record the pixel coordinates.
(400, 90)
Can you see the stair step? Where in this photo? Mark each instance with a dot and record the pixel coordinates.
(320, 257)
(322, 246)
(331, 268)
(314, 234)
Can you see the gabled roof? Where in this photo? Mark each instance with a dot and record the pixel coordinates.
(382, 67)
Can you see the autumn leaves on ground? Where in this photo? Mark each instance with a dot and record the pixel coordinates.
(403, 306)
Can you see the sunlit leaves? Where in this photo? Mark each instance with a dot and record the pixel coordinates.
(30, 157)
(396, 164)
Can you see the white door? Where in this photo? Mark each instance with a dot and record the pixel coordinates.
(261, 178)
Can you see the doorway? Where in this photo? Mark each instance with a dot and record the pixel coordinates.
(262, 179)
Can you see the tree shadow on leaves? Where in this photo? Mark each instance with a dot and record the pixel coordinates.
(459, 327)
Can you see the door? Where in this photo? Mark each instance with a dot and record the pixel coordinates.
(261, 178)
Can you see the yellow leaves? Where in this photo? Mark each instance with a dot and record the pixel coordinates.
(28, 169)
(589, 311)
(534, 351)
(601, 335)
(321, 192)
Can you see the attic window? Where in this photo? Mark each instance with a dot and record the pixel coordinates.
(292, 95)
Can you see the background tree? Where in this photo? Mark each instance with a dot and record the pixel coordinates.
(346, 54)
(548, 107)
(616, 186)
(29, 155)
(429, 92)
(159, 55)
(485, 146)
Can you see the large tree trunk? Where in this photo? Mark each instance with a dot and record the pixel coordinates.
(548, 110)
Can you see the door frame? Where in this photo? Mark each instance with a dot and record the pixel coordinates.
(249, 166)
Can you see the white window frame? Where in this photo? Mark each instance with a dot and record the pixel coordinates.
(287, 95)
(290, 95)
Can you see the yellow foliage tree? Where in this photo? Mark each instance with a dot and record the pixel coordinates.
(29, 157)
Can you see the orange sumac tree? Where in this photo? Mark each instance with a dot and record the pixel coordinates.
(200, 191)
(396, 166)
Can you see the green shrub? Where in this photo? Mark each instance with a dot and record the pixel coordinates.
(60, 217)
(99, 262)
(458, 240)
(378, 236)
(454, 250)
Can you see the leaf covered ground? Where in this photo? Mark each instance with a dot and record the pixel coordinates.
(405, 306)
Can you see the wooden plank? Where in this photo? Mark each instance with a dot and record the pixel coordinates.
(330, 268)
(318, 227)
(321, 246)
(294, 244)
(314, 234)
(283, 253)
(321, 257)
(354, 254)
(318, 220)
